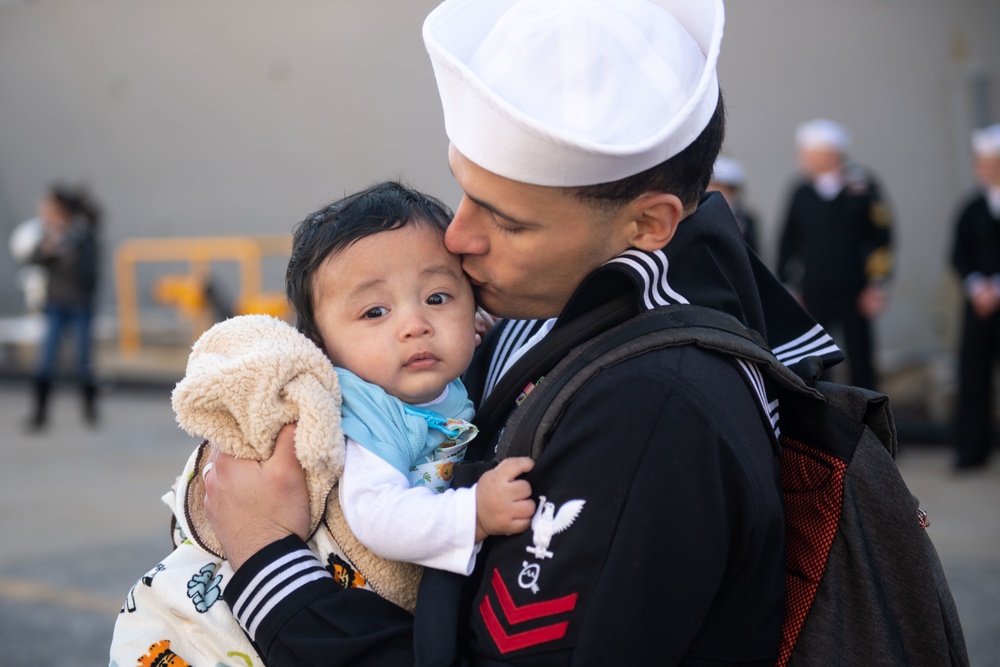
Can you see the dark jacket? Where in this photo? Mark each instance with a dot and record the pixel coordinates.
(72, 266)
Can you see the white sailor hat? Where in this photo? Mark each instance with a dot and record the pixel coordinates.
(822, 133)
(574, 92)
(986, 142)
(728, 171)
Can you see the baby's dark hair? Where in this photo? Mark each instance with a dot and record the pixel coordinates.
(379, 208)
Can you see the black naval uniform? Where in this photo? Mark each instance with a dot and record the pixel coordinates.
(830, 250)
(976, 254)
(667, 464)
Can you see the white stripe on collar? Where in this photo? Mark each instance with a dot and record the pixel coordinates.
(816, 342)
(513, 342)
(651, 269)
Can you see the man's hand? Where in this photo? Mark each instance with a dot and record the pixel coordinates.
(251, 504)
(503, 502)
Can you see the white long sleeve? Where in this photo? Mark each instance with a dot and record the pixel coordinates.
(404, 523)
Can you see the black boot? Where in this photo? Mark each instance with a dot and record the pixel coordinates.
(40, 407)
(89, 391)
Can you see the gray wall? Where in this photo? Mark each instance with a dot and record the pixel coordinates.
(241, 116)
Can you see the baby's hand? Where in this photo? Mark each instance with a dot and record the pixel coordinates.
(503, 502)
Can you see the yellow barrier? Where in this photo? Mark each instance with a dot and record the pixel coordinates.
(187, 291)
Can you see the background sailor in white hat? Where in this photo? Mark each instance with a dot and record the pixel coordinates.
(729, 179)
(976, 258)
(835, 249)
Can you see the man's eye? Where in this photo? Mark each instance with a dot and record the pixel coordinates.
(375, 313)
(504, 228)
(438, 298)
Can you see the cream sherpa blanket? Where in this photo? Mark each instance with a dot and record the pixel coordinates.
(246, 378)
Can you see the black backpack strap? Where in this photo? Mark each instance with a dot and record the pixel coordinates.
(493, 413)
(528, 428)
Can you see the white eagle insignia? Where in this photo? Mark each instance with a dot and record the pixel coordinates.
(547, 522)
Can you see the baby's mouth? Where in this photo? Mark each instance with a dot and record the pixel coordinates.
(421, 360)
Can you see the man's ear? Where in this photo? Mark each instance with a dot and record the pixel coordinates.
(652, 219)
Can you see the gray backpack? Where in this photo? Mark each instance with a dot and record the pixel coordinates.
(865, 585)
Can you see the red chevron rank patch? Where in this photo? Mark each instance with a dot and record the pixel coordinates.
(514, 614)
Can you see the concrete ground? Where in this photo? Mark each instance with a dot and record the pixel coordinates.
(82, 520)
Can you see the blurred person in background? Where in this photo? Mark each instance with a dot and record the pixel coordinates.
(835, 251)
(729, 179)
(68, 252)
(976, 258)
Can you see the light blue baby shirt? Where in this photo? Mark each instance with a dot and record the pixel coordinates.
(400, 434)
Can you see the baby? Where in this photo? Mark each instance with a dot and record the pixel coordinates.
(375, 289)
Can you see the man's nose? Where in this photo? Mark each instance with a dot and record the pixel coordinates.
(464, 235)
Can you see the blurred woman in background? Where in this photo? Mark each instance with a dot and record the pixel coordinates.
(68, 251)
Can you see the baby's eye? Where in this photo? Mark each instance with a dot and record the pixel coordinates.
(438, 298)
(375, 313)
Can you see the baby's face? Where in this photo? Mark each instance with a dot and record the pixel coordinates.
(395, 309)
